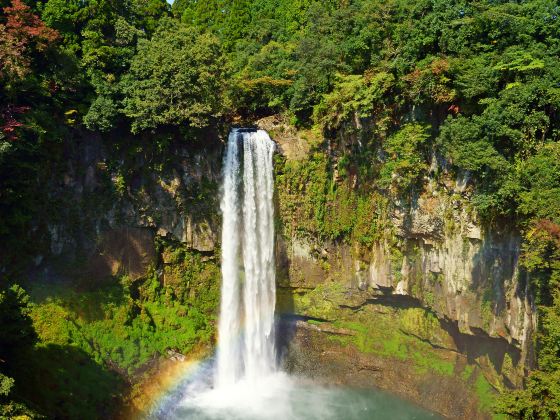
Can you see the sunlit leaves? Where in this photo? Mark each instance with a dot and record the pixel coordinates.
(353, 96)
(176, 78)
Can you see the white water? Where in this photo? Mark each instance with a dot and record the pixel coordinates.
(246, 329)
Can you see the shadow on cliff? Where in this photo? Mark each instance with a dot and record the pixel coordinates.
(285, 320)
(476, 347)
(494, 264)
(480, 345)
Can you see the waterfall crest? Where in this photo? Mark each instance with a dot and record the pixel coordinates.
(246, 327)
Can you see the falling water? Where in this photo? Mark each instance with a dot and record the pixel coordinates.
(246, 328)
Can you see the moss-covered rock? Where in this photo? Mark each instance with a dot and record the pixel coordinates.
(390, 343)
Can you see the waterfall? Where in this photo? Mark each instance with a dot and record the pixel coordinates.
(246, 327)
(244, 381)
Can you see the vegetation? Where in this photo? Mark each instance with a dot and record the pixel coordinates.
(72, 350)
(176, 63)
(422, 88)
(111, 326)
(17, 334)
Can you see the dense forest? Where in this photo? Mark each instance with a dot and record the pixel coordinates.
(470, 85)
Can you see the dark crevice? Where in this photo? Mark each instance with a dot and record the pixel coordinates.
(294, 318)
(297, 290)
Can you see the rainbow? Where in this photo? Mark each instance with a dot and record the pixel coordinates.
(156, 384)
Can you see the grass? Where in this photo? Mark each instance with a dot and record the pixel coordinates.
(401, 334)
(466, 374)
(487, 396)
(391, 342)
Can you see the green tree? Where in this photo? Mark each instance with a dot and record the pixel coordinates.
(175, 78)
(17, 330)
(354, 96)
(540, 184)
(17, 335)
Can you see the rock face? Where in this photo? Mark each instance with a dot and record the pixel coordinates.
(128, 251)
(464, 276)
(289, 140)
(118, 204)
(435, 257)
(434, 309)
(318, 355)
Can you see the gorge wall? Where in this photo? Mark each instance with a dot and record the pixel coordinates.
(415, 296)
(431, 305)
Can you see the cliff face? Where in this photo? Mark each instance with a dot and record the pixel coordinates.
(110, 207)
(436, 297)
(125, 271)
(450, 310)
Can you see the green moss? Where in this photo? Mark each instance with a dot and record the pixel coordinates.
(449, 220)
(396, 256)
(508, 367)
(435, 278)
(127, 323)
(339, 213)
(301, 187)
(370, 218)
(486, 395)
(342, 340)
(326, 266)
(321, 302)
(429, 298)
(419, 322)
(395, 346)
(416, 290)
(191, 279)
(397, 334)
(466, 374)
(487, 314)
(429, 361)
(311, 202)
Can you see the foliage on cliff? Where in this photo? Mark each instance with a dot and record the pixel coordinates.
(16, 336)
(177, 62)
